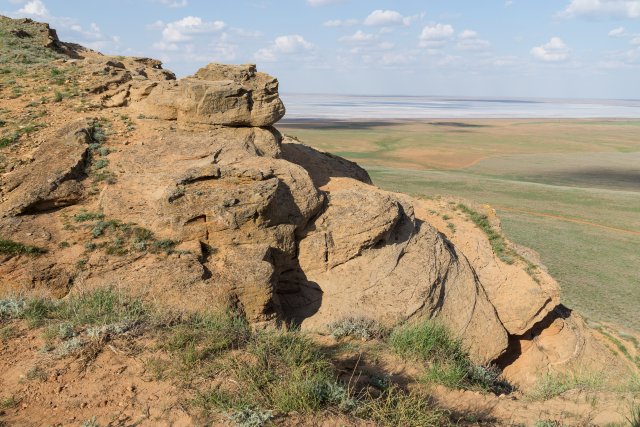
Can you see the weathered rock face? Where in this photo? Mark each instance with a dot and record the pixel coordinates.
(52, 180)
(284, 232)
(227, 95)
(367, 255)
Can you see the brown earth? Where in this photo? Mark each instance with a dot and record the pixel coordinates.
(183, 193)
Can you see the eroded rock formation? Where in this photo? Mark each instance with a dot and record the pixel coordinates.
(289, 234)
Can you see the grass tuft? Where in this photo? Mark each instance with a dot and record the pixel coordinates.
(496, 240)
(358, 327)
(105, 306)
(555, 384)
(447, 361)
(9, 247)
(201, 337)
(634, 415)
(395, 407)
(280, 371)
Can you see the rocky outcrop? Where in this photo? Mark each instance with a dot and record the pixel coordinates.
(367, 255)
(227, 95)
(52, 180)
(285, 233)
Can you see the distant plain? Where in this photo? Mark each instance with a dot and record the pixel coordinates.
(570, 189)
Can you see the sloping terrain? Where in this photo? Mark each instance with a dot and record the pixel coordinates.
(164, 228)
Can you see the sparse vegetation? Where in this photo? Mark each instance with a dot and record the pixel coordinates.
(358, 327)
(548, 423)
(395, 407)
(634, 415)
(555, 384)
(7, 332)
(85, 216)
(496, 239)
(18, 131)
(117, 238)
(446, 361)
(105, 306)
(8, 403)
(9, 247)
(201, 337)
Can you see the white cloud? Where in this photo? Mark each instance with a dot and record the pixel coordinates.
(34, 8)
(286, 45)
(358, 37)
(158, 25)
(173, 3)
(508, 3)
(434, 36)
(381, 18)
(613, 65)
(185, 28)
(69, 29)
(553, 51)
(469, 40)
(602, 9)
(316, 3)
(341, 23)
(291, 44)
(395, 58)
(617, 32)
(635, 41)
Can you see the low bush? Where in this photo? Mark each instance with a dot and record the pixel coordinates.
(358, 327)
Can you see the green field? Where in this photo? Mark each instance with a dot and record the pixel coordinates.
(569, 189)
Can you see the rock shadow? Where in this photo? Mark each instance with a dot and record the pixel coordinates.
(298, 297)
(323, 166)
(514, 347)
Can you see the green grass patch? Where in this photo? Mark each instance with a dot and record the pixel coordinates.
(280, 371)
(201, 337)
(555, 384)
(8, 403)
(9, 247)
(395, 407)
(496, 240)
(633, 418)
(7, 333)
(84, 216)
(104, 306)
(117, 238)
(446, 361)
(15, 135)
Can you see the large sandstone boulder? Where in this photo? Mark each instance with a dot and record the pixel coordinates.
(367, 255)
(228, 95)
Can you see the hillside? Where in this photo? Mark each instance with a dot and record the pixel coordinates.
(167, 256)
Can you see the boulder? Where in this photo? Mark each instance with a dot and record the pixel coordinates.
(222, 95)
(367, 255)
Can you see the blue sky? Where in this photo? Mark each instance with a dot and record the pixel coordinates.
(515, 48)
